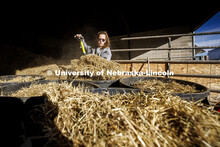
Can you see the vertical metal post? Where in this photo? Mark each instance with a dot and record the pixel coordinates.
(193, 45)
(169, 56)
(169, 46)
(167, 68)
(148, 65)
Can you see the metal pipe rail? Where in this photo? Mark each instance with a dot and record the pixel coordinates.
(171, 61)
(167, 36)
(173, 57)
(159, 49)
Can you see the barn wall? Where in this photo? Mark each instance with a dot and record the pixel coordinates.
(185, 41)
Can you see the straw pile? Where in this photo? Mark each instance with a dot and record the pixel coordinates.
(41, 70)
(92, 63)
(76, 118)
(35, 90)
(21, 79)
(95, 63)
(40, 89)
(171, 86)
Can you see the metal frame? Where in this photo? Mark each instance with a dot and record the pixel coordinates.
(171, 61)
(167, 36)
(158, 49)
(169, 43)
(169, 53)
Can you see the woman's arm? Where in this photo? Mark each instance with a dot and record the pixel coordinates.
(88, 48)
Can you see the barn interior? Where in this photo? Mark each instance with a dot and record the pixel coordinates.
(29, 32)
(144, 37)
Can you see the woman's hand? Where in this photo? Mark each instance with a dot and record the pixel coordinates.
(79, 36)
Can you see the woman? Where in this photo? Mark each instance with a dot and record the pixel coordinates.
(103, 49)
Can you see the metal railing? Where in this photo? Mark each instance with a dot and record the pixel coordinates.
(169, 48)
(172, 35)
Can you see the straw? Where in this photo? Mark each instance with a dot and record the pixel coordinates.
(81, 118)
(95, 64)
(21, 79)
(171, 86)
